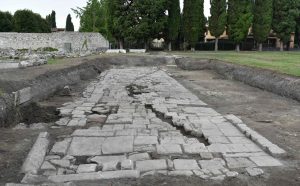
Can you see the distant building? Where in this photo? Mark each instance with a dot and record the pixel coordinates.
(271, 42)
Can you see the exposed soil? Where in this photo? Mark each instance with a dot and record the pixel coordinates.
(277, 118)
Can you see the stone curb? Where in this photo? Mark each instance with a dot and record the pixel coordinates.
(36, 155)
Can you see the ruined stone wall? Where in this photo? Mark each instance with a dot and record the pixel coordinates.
(55, 40)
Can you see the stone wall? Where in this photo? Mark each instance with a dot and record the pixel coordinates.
(55, 40)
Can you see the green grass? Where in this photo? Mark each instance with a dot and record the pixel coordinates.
(283, 62)
(54, 61)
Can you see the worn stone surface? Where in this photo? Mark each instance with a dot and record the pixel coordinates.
(86, 146)
(117, 145)
(143, 106)
(61, 147)
(36, 155)
(185, 164)
(85, 168)
(149, 165)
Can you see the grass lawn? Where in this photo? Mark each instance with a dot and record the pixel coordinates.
(283, 62)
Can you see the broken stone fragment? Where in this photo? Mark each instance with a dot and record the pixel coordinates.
(85, 168)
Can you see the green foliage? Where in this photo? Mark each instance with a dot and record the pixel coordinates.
(53, 19)
(173, 19)
(92, 17)
(239, 19)
(284, 18)
(262, 21)
(27, 21)
(218, 19)
(6, 22)
(193, 20)
(149, 19)
(69, 24)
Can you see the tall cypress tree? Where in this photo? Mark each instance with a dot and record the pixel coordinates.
(239, 20)
(173, 21)
(69, 24)
(193, 21)
(262, 21)
(284, 19)
(53, 19)
(218, 19)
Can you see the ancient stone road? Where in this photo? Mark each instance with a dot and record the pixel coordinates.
(135, 122)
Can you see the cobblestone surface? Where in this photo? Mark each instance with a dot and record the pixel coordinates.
(140, 121)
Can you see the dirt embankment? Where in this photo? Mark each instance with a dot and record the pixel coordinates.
(44, 81)
(280, 84)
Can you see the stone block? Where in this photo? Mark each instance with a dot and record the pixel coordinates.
(36, 155)
(265, 161)
(85, 146)
(127, 165)
(234, 163)
(194, 148)
(86, 168)
(185, 164)
(118, 145)
(180, 173)
(149, 165)
(104, 159)
(253, 171)
(167, 149)
(139, 156)
(61, 147)
(92, 133)
(145, 140)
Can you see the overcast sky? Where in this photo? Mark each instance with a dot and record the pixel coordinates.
(61, 7)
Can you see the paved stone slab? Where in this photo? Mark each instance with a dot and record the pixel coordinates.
(103, 159)
(172, 140)
(145, 140)
(234, 163)
(149, 165)
(77, 122)
(139, 156)
(194, 148)
(95, 176)
(117, 145)
(92, 133)
(186, 164)
(167, 149)
(265, 161)
(86, 168)
(61, 147)
(86, 146)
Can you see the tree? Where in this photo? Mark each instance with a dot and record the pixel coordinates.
(239, 20)
(284, 19)
(69, 24)
(53, 19)
(149, 20)
(193, 21)
(173, 21)
(6, 22)
(27, 21)
(262, 20)
(92, 16)
(218, 19)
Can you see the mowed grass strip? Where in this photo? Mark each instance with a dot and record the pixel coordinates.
(283, 62)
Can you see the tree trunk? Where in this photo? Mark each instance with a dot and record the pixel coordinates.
(260, 46)
(238, 47)
(216, 44)
(121, 44)
(281, 46)
(170, 46)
